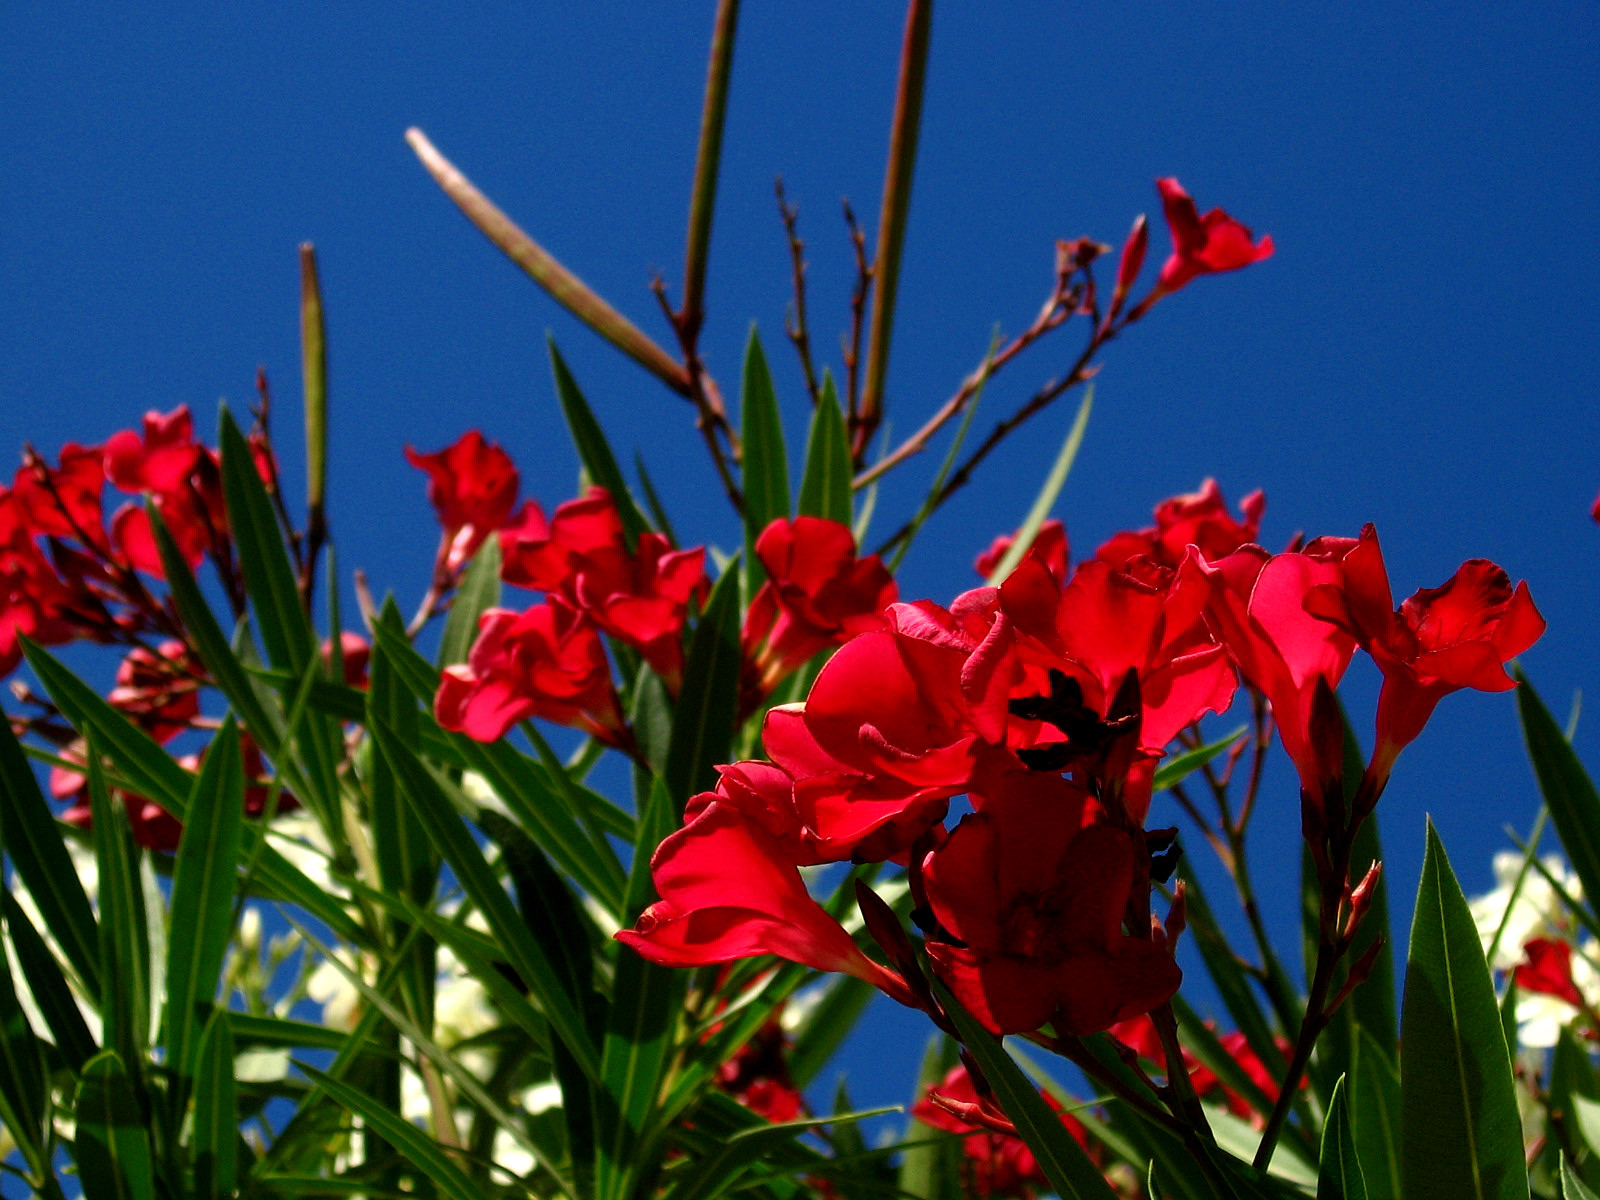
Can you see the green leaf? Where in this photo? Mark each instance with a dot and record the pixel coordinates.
(766, 459)
(593, 449)
(479, 592)
(1573, 1188)
(113, 1148)
(203, 884)
(825, 489)
(125, 996)
(717, 1172)
(1568, 791)
(256, 1031)
(1374, 1107)
(407, 865)
(1046, 499)
(708, 706)
(543, 809)
(1181, 766)
(646, 1001)
(425, 1154)
(1227, 972)
(457, 847)
(930, 1168)
(1063, 1161)
(148, 769)
(249, 702)
(826, 1026)
(41, 860)
(1340, 1175)
(216, 1112)
(268, 574)
(24, 1091)
(49, 988)
(1460, 1132)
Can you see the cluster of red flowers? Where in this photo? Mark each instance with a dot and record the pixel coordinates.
(1047, 702)
(549, 661)
(67, 574)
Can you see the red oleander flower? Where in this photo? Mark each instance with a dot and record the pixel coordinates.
(1457, 635)
(1257, 608)
(162, 461)
(546, 662)
(34, 600)
(1200, 519)
(1050, 544)
(922, 703)
(472, 486)
(728, 892)
(64, 501)
(1030, 893)
(355, 656)
(1001, 1163)
(758, 1076)
(1547, 969)
(1082, 643)
(817, 594)
(159, 690)
(640, 598)
(1203, 245)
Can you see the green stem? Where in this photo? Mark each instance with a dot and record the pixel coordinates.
(545, 270)
(896, 208)
(703, 204)
(314, 372)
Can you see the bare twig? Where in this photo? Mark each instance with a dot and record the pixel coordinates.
(859, 295)
(795, 326)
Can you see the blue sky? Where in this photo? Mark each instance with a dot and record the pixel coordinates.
(1419, 353)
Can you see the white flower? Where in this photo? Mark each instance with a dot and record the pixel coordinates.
(1537, 912)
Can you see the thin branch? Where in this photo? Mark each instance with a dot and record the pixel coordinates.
(859, 295)
(795, 326)
(1055, 313)
(565, 287)
(903, 135)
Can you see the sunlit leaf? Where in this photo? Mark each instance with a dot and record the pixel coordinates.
(1460, 1132)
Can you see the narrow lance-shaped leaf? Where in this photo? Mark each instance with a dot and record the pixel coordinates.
(124, 933)
(1048, 494)
(47, 983)
(216, 1111)
(594, 451)
(930, 1168)
(479, 592)
(1063, 1161)
(1340, 1175)
(766, 461)
(112, 1147)
(425, 1154)
(1568, 791)
(254, 710)
(1460, 1132)
(825, 489)
(457, 847)
(646, 1002)
(1374, 1107)
(708, 706)
(24, 1094)
(268, 573)
(40, 858)
(203, 887)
